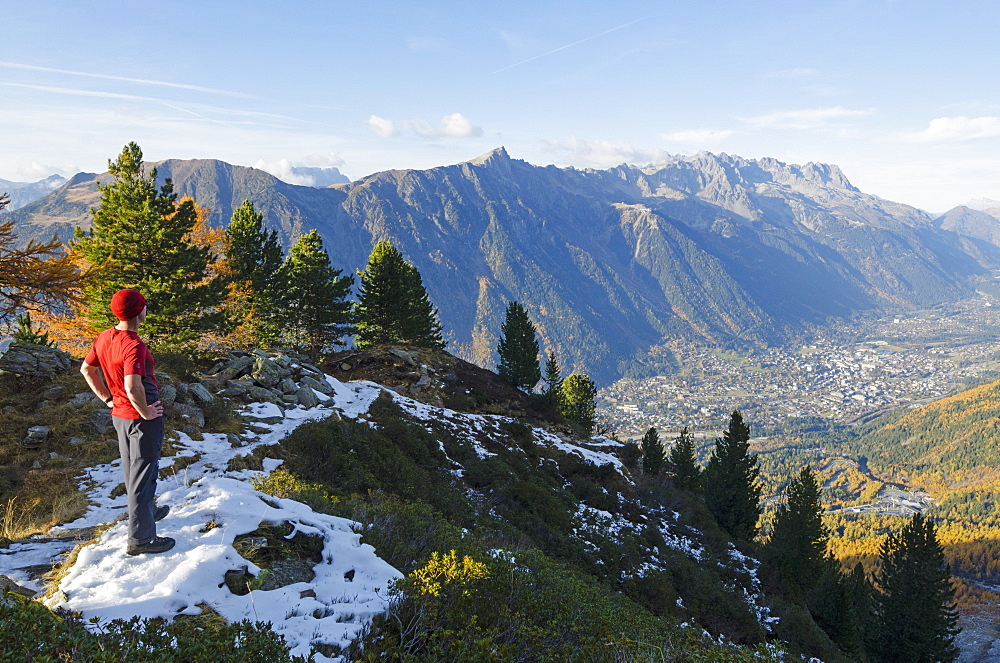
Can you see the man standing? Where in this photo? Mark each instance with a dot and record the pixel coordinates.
(119, 369)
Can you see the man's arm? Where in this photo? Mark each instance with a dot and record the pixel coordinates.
(137, 394)
(95, 379)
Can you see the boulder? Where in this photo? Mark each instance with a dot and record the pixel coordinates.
(101, 421)
(168, 394)
(238, 367)
(262, 395)
(36, 437)
(322, 386)
(193, 414)
(288, 386)
(234, 391)
(54, 392)
(200, 393)
(32, 360)
(307, 397)
(404, 355)
(265, 372)
(82, 398)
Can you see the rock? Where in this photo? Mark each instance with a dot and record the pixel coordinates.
(32, 360)
(283, 360)
(82, 398)
(101, 421)
(345, 366)
(305, 366)
(291, 399)
(322, 386)
(260, 394)
(233, 391)
(8, 585)
(288, 386)
(200, 393)
(449, 377)
(193, 414)
(307, 594)
(76, 441)
(265, 372)
(234, 440)
(54, 392)
(404, 355)
(182, 391)
(307, 397)
(237, 368)
(39, 432)
(168, 394)
(288, 572)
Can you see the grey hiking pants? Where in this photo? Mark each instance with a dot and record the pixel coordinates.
(140, 442)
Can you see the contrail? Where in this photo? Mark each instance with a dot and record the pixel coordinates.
(143, 81)
(575, 43)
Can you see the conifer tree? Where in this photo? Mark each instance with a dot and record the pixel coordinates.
(553, 380)
(393, 306)
(917, 619)
(518, 349)
(253, 261)
(314, 307)
(652, 453)
(799, 539)
(731, 489)
(577, 401)
(682, 464)
(841, 605)
(139, 240)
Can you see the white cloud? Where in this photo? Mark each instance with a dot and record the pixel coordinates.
(304, 172)
(284, 170)
(815, 118)
(381, 126)
(600, 153)
(455, 125)
(37, 171)
(699, 136)
(954, 129)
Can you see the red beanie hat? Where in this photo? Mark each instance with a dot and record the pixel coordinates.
(128, 303)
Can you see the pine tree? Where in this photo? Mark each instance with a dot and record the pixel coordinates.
(577, 401)
(799, 539)
(139, 240)
(393, 306)
(840, 604)
(518, 349)
(917, 620)
(253, 261)
(682, 464)
(732, 492)
(314, 307)
(652, 453)
(36, 277)
(553, 381)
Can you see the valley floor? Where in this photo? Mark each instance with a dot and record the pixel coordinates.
(846, 376)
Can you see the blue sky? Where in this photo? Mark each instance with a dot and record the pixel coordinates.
(902, 95)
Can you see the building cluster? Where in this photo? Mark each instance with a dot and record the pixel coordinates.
(891, 363)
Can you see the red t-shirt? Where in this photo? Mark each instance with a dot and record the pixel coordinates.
(119, 353)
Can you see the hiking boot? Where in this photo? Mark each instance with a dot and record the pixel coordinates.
(157, 545)
(161, 512)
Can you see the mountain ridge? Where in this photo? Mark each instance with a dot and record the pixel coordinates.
(713, 248)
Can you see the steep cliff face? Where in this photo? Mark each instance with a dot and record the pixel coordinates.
(607, 262)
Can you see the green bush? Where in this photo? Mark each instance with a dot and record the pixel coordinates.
(31, 632)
